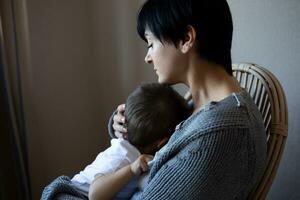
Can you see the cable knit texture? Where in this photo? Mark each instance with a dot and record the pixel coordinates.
(217, 153)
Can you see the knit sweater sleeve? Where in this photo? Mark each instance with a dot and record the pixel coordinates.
(216, 165)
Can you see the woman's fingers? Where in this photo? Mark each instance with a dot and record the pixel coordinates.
(119, 128)
(121, 108)
(118, 134)
(119, 118)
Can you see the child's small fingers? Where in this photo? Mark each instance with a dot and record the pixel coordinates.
(144, 166)
(148, 158)
(139, 171)
(144, 169)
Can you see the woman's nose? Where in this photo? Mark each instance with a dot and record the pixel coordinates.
(148, 59)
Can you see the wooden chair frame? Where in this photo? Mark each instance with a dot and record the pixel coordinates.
(270, 99)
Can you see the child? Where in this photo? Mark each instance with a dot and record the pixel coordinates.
(152, 113)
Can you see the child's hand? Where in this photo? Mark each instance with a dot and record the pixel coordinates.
(140, 164)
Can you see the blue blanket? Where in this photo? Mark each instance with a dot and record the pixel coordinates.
(62, 189)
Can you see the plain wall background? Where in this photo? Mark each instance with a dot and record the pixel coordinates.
(86, 58)
(267, 32)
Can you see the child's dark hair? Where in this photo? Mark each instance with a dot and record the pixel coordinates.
(152, 112)
(168, 20)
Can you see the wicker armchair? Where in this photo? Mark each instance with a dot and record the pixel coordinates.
(270, 99)
(269, 96)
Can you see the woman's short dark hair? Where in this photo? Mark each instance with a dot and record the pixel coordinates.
(168, 20)
(152, 112)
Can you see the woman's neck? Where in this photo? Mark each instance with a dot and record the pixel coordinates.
(209, 82)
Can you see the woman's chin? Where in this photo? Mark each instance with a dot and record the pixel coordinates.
(161, 80)
(165, 81)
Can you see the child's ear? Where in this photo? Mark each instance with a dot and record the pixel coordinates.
(162, 142)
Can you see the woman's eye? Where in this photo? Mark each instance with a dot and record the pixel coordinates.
(150, 45)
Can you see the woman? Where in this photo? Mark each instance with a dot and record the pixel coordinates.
(219, 151)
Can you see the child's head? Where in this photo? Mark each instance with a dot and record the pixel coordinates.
(152, 112)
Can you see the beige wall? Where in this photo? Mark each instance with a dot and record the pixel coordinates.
(86, 57)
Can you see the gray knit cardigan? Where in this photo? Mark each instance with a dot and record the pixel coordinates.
(217, 153)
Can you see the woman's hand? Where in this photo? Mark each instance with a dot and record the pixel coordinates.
(140, 164)
(119, 120)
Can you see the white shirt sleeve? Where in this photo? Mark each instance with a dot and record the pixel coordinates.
(118, 155)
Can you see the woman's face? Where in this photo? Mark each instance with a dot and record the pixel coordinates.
(166, 59)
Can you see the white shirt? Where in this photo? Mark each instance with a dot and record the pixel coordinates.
(118, 155)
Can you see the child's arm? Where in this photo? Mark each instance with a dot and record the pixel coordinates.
(107, 186)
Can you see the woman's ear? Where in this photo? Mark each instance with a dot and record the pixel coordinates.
(189, 40)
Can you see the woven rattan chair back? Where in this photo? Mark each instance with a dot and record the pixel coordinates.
(269, 97)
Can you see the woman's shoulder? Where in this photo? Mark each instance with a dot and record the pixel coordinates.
(232, 110)
(236, 111)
